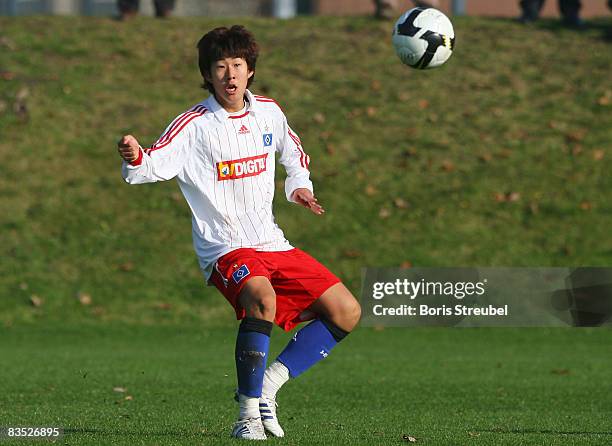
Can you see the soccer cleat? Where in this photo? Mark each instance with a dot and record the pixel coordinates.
(267, 408)
(249, 429)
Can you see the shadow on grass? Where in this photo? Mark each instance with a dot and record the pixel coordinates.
(603, 27)
(541, 431)
(600, 26)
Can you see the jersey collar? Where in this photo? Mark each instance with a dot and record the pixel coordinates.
(221, 114)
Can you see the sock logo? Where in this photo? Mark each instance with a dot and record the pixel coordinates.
(240, 274)
(246, 354)
(323, 353)
(255, 360)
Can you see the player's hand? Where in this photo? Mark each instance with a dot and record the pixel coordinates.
(128, 148)
(304, 197)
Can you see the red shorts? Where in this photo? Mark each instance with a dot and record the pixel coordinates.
(297, 278)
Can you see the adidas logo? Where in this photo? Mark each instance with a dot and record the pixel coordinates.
(243, 130)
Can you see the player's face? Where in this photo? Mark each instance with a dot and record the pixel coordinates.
(229, 78)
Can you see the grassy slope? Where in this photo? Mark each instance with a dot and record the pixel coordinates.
(444, 387)
(516, 110)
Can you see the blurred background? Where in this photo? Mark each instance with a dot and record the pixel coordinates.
(505, 8)
(499, 158)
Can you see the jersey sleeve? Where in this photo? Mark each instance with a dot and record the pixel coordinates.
(294, 160)
(165, 159)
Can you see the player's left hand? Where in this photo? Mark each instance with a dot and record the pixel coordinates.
(304, 197)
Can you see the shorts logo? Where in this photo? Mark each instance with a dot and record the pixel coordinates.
(240, 274)
(241, 168)
(267, 139)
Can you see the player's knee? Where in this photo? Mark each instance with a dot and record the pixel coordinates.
(267, 303)
(352, 313)
(258, 299)
(347, 315)
(261, 306)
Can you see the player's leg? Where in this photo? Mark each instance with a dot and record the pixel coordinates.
(127, 8)
(258, 299)
(163, 8)
(337, 314)
(530, 10)
(339, 306)
(570, 10)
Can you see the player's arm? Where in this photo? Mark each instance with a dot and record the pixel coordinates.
(162, 161)
(298, 187)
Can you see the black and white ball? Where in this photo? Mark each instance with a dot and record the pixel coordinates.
(423, 38)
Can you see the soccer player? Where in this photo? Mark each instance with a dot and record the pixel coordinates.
(222, 153)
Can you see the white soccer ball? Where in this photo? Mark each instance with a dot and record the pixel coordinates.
(423, 38)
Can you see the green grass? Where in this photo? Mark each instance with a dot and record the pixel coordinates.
(500, 158)
(516, 110)
(443, 387)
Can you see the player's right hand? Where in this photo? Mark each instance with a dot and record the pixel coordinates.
(128, 148)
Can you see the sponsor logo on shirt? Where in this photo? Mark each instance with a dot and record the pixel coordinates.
(244, 130)
(240, 273)
(241, 168)
(267, 139)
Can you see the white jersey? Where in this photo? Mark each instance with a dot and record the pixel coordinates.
(224, 164)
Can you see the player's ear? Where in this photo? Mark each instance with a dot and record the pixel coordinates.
(251, 73)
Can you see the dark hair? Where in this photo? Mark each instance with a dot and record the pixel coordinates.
(222, 42)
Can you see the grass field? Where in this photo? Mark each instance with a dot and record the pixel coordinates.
(442, 387)
(500, 158)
